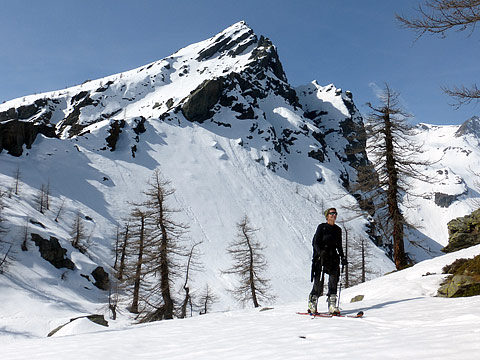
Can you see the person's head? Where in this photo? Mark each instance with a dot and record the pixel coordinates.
(331, 214)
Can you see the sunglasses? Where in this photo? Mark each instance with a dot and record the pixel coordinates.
(332, 213)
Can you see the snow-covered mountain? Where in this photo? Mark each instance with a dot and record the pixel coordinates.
(219, 120)
(454, 191)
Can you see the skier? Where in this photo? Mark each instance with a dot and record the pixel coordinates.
(327, 256)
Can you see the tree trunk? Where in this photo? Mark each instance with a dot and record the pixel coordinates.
(138, 272)
(252, 279)
(165, 275)
(392, 198)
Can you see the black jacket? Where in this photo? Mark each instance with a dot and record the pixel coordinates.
(327, 247)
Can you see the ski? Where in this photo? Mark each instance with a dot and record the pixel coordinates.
(328, 315)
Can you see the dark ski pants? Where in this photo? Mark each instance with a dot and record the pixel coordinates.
(317, 289)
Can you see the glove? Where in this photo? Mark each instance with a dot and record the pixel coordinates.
(344, 263)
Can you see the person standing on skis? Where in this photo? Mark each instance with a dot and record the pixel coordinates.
(327, 256)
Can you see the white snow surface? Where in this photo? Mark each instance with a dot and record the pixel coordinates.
(402, 320)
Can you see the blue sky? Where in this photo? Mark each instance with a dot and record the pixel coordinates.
(356, 45)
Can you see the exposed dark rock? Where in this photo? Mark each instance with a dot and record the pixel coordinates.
(78, 97)
(199, 104)
(10, 114)
(14, 134)
(51, 251)
(96, 318)
(471, 126)
(464, 279)
(444, 200)
(34, 222)
(357, 298)
(81, 101)
(463, 232)
(222, 44)
(115, 130)
(101, 278)
(245, 113)
(317, 155)
(169, 103)
(104, 87)
(140, 125)
(267, 57)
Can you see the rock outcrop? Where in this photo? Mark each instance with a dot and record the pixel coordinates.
(463, 232)
(464, 279)
(51, 251)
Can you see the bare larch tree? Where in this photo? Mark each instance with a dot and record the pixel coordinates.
(167, 246)
(193, 264)
(394, 156)
(207, 298)
(5, 246)
(249, 264)
(79, 238)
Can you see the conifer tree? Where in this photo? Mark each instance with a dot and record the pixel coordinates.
(193, 264)
(137, 250)
(121, 243)
(359, 253)
(17, 176)
(166, 250)
(206, 299)
(394, 157)
(249, 264)
(5, 246)
(79, 239)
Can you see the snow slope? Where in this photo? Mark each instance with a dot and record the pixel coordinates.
(222, 168)
(402, 320)
(454, 177)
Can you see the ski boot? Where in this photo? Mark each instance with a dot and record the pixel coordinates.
(312, 304)
(332, 305)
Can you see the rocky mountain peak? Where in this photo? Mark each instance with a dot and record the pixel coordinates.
(231, 42)
(233, 84)
(471, 126)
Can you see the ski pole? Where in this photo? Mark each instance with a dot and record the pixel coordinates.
(339, 292)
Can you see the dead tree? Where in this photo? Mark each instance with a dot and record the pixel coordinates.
(137, 247)
(24, 246)
(47, 196)
(121, 244)
(249, 264)
(5, 246)
(17, 177)
(361, 250)
(206, 299)
(192, 265)
(42, 198)
(167, 247)
(78, 235)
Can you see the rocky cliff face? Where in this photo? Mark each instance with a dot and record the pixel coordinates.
(470, 127)
(463, 232)
(232, 84)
